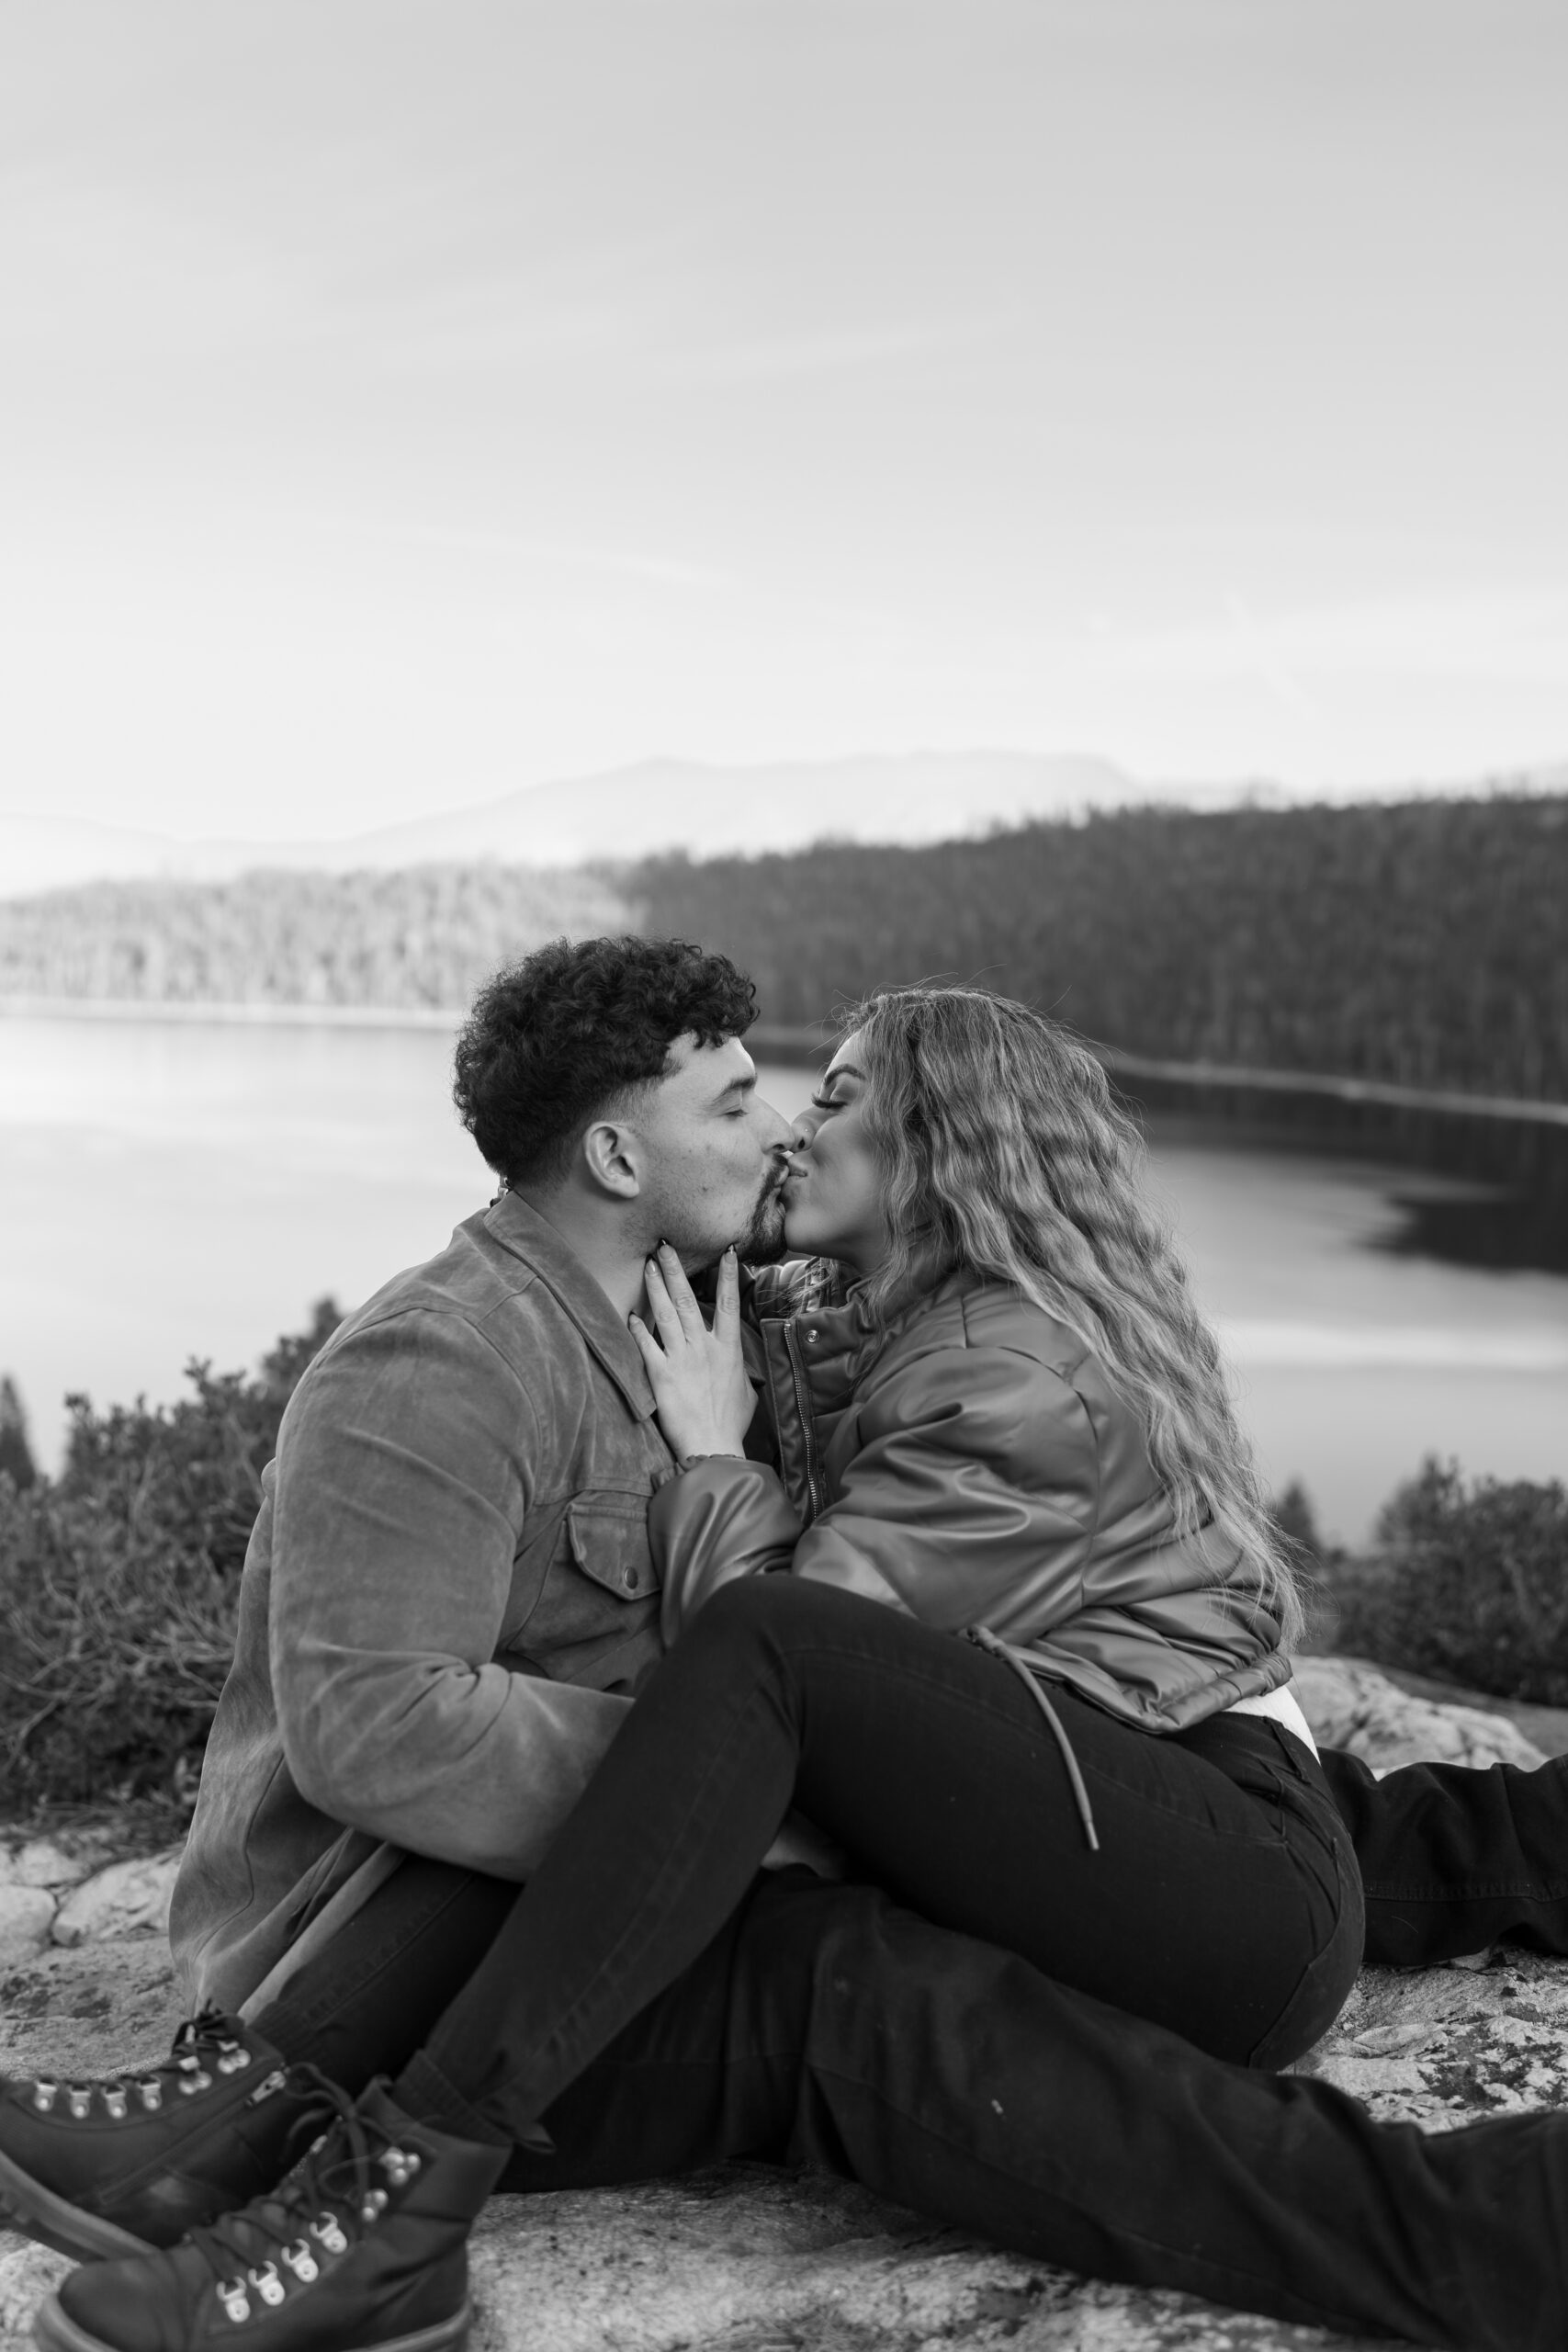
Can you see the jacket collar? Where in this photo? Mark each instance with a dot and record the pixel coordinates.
(522, 1232)
(844, 1340)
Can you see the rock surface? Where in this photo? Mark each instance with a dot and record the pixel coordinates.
(27, 1916)
(124, 1900)
(1349, 1704)
(43, 1862)
(750, 2260)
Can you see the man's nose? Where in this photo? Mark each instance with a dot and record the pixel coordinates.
(772, 1128)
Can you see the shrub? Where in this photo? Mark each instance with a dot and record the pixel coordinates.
(1318, 1565)
(1470, 1585)
(16, 1454)
(119, 1583)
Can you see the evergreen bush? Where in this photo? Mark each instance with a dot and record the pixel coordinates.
(1470, 1584)
(16, 1454)
(119, 1583)
(1317, 1563)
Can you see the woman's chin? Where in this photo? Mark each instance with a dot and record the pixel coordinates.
(804, 1238)
(799, 1241)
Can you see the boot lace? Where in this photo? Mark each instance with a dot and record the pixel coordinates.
(204, 2048)
(337, 2191)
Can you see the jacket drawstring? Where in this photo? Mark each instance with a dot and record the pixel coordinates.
(985, 1639)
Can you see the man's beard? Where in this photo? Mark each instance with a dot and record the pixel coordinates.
(763, 1241)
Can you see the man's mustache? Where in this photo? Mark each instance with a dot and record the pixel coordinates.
(764, 1240)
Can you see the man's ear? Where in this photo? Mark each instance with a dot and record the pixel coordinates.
(610, 1159)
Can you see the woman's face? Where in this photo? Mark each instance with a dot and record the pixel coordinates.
(832, 1194)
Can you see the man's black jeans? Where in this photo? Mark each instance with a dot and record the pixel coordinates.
(824, 2025)
(1453, 1860)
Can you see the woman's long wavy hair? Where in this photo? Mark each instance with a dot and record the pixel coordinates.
(1004, 1153)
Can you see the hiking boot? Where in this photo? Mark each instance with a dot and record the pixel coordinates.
(132, 2161)
(365, 2243)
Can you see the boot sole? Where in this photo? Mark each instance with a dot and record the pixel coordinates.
(26, 2205)
(56, 2329)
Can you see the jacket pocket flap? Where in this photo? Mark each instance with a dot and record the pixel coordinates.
(609, 1543)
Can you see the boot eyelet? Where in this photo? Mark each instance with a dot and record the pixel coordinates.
(233, 2061)
(115, 2101)
(374, 2206)
(267, 2283)
(200, 2080)
(80, 2104)
(233, 2296)
(151, 2096)
(301, 2261)
(325, 2227)
(44, 2094)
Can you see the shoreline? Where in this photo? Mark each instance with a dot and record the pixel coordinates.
(781, 1042)
(218, 1012)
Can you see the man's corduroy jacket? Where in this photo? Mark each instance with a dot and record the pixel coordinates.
(448, 1599)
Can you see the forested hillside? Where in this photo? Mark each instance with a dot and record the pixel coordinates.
(424, 936)
(1425, 941)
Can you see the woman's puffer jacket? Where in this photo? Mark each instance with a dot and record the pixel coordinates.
(972, 1464)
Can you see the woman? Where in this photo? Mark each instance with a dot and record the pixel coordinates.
(998, 1410)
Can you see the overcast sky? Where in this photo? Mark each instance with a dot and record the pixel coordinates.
(405, 400)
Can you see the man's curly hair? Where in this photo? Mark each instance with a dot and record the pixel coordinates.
(553, 1040)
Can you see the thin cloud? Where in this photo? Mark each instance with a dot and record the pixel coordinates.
(1507, 635)
(765, 358)
(1260, 655)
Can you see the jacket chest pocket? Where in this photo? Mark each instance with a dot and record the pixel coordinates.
(607, 1537)
(600, 1581)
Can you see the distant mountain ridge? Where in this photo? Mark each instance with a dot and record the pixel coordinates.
(631, 812)
(656, 806)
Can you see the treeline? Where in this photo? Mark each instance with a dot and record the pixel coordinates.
(1421, 942)
(426, 935)
(1425, 941)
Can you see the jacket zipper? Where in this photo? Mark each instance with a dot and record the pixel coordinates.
(816, 1485)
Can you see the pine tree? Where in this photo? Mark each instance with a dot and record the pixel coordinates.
(16, 1454)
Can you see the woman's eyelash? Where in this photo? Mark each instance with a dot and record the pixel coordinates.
(824, 1103)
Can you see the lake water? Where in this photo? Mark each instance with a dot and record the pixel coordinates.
(175, 1189)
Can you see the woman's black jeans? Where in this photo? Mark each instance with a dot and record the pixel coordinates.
(1222, 1902)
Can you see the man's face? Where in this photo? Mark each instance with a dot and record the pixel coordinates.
(711, 1156)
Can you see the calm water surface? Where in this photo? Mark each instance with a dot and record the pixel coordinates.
(177, 1189)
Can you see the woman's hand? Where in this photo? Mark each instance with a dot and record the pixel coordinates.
(700, 1389)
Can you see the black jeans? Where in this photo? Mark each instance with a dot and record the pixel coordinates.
(826, 2025)
(1222, 1901)
(1453, 1860)
(829, 2025)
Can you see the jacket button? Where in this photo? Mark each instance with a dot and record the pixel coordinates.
(628, 1578)
(811, 1335)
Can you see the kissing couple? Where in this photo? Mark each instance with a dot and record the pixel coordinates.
(842, 1718)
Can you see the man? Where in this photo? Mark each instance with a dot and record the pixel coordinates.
(447, 1606)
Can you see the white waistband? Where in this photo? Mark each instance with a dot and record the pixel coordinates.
(1283, 1706)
